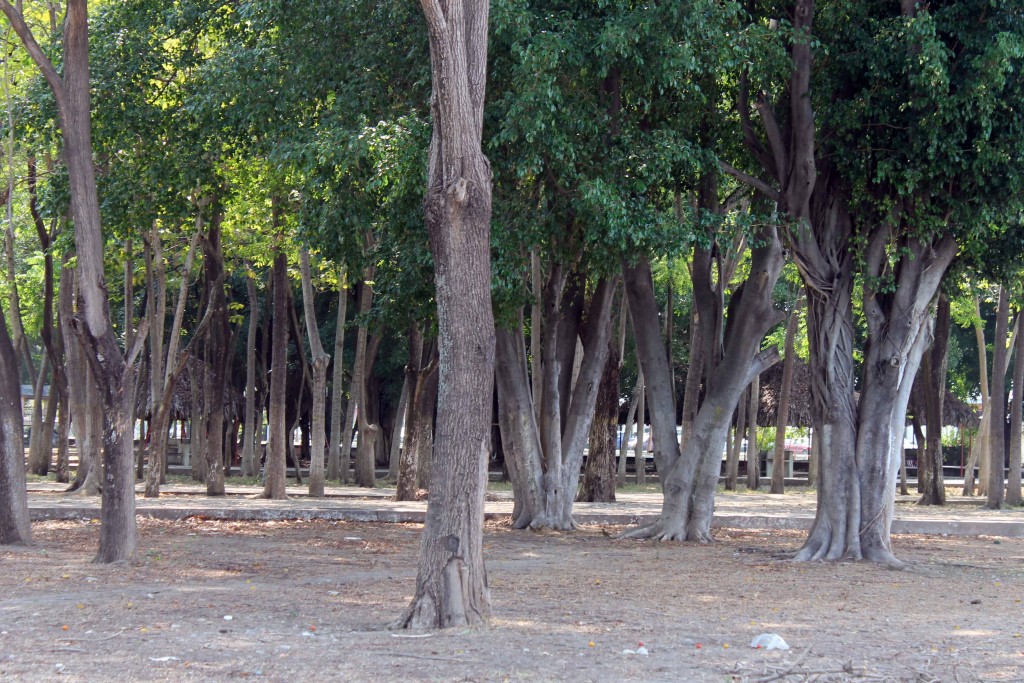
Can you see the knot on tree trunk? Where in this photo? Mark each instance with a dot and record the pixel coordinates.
(457, 190)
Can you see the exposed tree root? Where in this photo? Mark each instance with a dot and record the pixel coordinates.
(657, 531)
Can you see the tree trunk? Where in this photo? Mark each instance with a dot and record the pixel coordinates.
(599, 475)
(162, 383)
(114, 376)
(358, 383)
(413, 390)
(218, 345)
(415, 473)
(753, 454)
(321, 360)
(39, 445)
(997, 405)
(14, 519)
(274, 486)
(337, 379)
(451, 586)
(562, 435)
(732, 461)
(786, 388)
(395, 448)
(733, 359)
(627, 433)
(249, 432)
(1013, 483)
(640, 451)
(369, 430)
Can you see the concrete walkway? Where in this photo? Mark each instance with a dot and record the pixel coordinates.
(961, 517)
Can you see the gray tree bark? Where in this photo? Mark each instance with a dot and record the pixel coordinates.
(115, 377)
(249, 434)
(451, 586)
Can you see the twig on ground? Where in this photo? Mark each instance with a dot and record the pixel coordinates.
(428, 657)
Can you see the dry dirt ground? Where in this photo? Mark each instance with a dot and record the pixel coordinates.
(302, 601)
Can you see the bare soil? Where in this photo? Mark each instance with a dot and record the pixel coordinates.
(305, 601)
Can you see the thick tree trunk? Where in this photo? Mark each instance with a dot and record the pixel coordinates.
(337, 380)
(694, 374)
(318, 435)
(14, 519)
(997, 405)
(451, 586)
(274, 486)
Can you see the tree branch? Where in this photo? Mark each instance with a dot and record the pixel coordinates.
(35, 52)
(756, 183)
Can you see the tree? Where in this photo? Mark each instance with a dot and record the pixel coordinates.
(14, 520)
(108, 365)
(451, 585)
(875, 183)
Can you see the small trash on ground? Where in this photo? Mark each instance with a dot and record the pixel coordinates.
(769, 641)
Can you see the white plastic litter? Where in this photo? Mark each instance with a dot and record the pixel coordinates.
(769, 641)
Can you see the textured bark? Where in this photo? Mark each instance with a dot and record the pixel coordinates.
(782, 413)
(14, 519)
(997, 405)
(321, 360)
(451, 586)
(274, 486)
(858, 445)
(114, 376)
(694, 374)
(337, 381)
